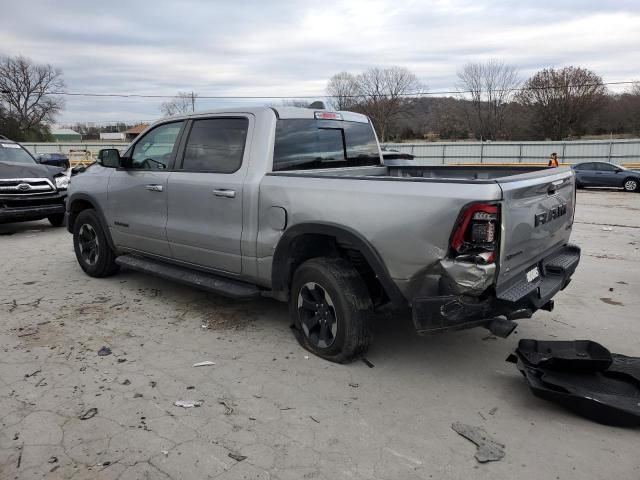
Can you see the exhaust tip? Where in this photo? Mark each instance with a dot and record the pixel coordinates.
(501, 327)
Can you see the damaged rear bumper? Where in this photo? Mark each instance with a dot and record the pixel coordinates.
(516, 300)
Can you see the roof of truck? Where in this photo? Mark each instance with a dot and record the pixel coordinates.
(281, 112)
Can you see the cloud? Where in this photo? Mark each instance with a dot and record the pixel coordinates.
(292, 47)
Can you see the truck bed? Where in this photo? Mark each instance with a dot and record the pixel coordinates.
(453, 173)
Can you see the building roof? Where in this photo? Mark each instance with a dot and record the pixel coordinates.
(137, 129)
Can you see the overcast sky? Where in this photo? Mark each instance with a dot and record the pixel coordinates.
(291, 48)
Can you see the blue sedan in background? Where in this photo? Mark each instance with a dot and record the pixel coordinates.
(603, 174)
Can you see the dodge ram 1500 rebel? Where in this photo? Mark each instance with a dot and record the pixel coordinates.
(28, 190)
(297, 204)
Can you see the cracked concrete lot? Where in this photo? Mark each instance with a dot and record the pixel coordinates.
(292, 415)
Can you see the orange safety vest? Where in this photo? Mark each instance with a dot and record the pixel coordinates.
(553, 162)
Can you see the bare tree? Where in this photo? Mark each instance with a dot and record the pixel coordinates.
(384, 94)
(343, 89)
(183, 102)
(491, 87)
(27, 92)
(563, 100)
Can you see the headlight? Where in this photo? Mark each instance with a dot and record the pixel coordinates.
(62, 182)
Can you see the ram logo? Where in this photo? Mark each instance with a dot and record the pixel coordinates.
(551, 214)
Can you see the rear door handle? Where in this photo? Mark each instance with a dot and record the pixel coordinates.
(154, 188)
(221, 192)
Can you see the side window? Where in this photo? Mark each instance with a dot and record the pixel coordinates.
(216, 145)
(587, 166)
(605, 167)
(153, 151)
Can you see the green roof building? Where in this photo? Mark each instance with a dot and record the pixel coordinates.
(65, 135)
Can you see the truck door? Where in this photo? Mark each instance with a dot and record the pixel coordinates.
(137, 194)
(205, 199)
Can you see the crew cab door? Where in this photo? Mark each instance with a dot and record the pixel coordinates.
(205, 198)
(537, 216)
(137, 192)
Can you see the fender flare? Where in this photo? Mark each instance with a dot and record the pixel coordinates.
(281, 264)
(98, 209)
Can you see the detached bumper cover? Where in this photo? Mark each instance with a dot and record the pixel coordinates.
(518, 299)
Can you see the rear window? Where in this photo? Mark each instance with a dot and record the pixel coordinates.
(304, 144)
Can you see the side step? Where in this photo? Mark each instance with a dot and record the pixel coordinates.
(203, 281)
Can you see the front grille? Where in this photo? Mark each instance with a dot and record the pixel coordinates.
(29, 202)
(25, 186)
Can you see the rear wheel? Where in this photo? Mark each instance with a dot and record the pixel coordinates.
(331, 309)
(93, 252)
(56, 220)
(630, 185)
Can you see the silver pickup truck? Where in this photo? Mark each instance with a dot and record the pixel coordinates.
(297, 204)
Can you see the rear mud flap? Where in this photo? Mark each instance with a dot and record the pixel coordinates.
(584, 377)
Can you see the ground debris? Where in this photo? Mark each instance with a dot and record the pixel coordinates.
(488, 449)
(228, 408)
(314, 419)
(354, 385)
(237, 457)
(368, 363)
(493, 411)
(206, 363)
(611, 301)
(188, 403)
(104, 351)
(27, 375)
(92, 412)
(126, 382)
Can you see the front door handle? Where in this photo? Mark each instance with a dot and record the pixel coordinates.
(154, 188)
(224, 193)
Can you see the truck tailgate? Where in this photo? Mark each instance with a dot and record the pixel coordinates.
(537, 215)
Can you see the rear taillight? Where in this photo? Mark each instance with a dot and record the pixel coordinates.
(476, 233)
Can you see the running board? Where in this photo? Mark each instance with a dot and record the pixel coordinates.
(203, 281)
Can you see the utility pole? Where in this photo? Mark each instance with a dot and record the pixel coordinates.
(193, 101)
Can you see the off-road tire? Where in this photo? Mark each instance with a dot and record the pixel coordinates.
(630, 185)
(104, 264)
(351, 303)
(56, 220)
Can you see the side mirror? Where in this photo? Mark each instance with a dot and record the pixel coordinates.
(109, 157)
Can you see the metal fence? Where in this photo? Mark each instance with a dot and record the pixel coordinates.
(67, 147)
(443, 153)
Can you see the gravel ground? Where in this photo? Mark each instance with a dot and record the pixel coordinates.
(66, 412)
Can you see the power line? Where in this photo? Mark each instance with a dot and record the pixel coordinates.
(285, 97)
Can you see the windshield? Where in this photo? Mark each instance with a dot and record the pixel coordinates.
(14, 153)
(303, 144)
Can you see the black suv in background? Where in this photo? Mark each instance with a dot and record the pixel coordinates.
(29, 190)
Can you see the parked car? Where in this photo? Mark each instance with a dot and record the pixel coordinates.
(603, 174)
(296, 204)
(28, 190)
(54, 159)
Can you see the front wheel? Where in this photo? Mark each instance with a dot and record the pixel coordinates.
(331, 309)
(93, 252)
(56, 220)
(630, 185)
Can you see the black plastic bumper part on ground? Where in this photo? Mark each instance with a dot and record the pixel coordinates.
(583, 376)
(517, 299)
